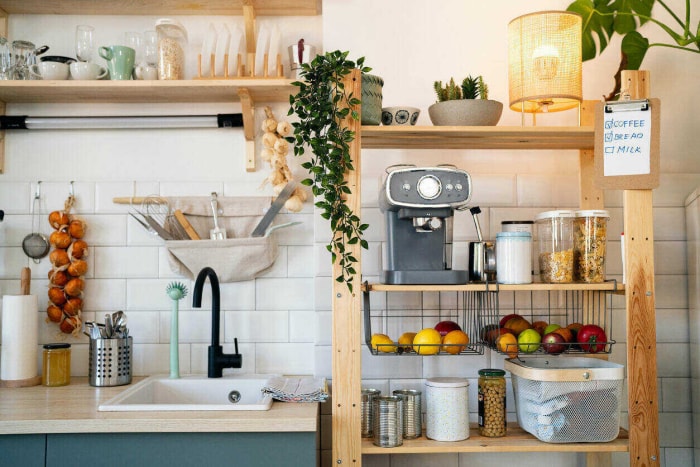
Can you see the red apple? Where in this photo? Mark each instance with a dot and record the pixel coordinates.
(443, 327)
(554, 343)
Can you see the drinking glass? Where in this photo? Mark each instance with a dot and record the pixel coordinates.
(84, 47)
(6, 60)
(24, 58)
(150, 48)
(135, 41)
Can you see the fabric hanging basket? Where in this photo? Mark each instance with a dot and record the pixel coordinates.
(239, 257)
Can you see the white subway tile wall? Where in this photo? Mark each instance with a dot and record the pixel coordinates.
(282, 319)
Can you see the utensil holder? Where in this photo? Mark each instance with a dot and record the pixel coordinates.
(110, 361)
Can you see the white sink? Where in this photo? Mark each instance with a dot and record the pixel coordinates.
(193, 392)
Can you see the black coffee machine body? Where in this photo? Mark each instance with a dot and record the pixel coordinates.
(419, 205)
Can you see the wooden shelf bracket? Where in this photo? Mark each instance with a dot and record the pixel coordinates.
(248, 111)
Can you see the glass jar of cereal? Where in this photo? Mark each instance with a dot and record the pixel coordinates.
(172, 42)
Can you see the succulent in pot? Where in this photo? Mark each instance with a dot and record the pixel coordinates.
(465, 104)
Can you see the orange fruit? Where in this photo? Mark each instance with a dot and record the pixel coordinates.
(406, 340)
(566, 333)
(427, 342)
(540, 326)
(455, 342)
(507, 344)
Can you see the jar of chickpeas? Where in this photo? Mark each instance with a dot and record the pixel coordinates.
(492, 402)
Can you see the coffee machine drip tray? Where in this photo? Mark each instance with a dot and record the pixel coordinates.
(432, 277)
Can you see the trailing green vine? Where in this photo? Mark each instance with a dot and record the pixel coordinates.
(321, 104)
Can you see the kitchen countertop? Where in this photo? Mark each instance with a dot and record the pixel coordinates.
(73, 409)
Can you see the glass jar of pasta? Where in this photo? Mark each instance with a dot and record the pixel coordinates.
(556, 246)
(590, 236)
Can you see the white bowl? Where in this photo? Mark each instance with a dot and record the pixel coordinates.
(400, 115)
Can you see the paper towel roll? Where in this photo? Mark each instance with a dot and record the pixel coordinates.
(19, 362)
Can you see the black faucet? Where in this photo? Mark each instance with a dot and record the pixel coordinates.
(218, 360)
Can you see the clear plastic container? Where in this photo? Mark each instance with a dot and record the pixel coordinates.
(172, 43)
(492, 402)
(590, 236)
(56, 365)
(556, 246)
(514, 257)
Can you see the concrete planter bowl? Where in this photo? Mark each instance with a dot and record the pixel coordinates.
(466, 112)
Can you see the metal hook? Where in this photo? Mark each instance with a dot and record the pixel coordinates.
(72, 189)
(37, 194)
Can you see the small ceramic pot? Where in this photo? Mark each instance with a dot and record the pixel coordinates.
(466, 112)
(371, 99)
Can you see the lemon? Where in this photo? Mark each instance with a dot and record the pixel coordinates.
(427, 342)
(529, 340)
(406, 340)
(382, 343)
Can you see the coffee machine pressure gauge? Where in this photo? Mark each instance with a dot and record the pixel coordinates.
(429, 187)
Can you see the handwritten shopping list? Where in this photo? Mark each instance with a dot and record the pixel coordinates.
(626, 144)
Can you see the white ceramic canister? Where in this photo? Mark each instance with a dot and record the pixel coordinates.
(447, 411)
(514, 257)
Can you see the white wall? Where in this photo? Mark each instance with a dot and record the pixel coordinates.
(283, 318)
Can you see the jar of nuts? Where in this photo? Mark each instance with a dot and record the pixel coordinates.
(172, 42)
(492, 403)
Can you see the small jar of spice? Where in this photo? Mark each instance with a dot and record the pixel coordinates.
(492, 403)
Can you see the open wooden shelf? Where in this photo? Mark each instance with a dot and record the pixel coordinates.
(107, 91)
(477, 137)
(516, 440)
(611, 286)
(162, 7)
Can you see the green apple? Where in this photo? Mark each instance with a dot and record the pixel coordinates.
(529, 340)
(550, 328)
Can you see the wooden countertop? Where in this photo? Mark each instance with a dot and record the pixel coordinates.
(73, 409)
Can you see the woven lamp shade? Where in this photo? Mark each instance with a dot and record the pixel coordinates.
(544, 61)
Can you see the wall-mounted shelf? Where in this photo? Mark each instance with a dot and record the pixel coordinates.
(162, 7)
(106, 91)
(477, 137)
(612, 286)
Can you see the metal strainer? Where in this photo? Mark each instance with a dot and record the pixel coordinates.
(36, 245)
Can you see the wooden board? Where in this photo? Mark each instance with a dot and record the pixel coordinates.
(161, 7)
(629, 181)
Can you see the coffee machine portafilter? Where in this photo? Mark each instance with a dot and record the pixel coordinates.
(418, 205)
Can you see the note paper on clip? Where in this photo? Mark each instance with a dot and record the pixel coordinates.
(626, 142)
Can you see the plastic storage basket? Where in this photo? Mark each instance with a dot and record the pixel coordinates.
(568, 399)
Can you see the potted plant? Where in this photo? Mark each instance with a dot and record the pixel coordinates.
(321, 103)
(467, 104)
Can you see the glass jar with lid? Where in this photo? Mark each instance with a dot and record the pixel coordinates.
(590, 236)
(556, 246)
(172, 42)
(56, 365)
(492, 402)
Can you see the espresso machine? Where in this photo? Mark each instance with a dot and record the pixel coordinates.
(419, 205)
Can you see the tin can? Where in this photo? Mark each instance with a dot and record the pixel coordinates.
(412, 426)
(367, 421)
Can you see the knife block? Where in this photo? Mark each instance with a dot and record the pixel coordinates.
(240, 257)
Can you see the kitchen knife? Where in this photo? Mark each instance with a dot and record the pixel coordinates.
(284, 195)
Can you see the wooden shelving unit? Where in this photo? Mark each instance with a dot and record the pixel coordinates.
(611, 286)
(642, 439)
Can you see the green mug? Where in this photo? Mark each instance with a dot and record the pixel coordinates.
(120, 60)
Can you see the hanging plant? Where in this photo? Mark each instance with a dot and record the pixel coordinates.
(322, 104)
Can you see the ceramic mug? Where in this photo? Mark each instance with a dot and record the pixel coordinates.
(49, 70)
(120, 60)
(87, 70)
